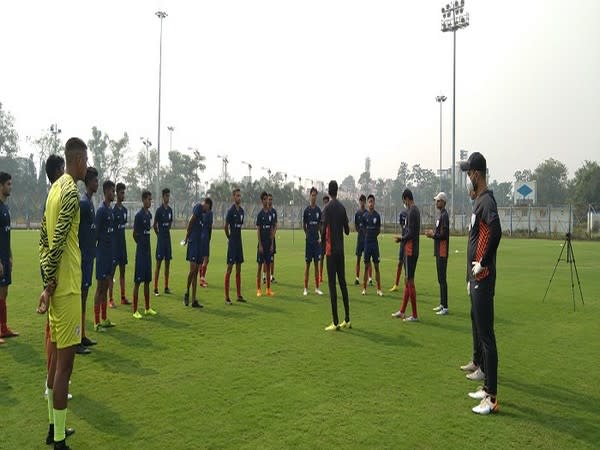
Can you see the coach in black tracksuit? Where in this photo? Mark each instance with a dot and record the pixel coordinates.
(441, 241)
(484, 238)
(335, 223)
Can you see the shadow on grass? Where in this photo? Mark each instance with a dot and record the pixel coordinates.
(25, 354)
(229, 312)
(439, 322)
(264, 307)
(128, 339)
(168, 322)
(579, 413)
(99, 415)
(113, 362)
(6, 399)
(394, 341)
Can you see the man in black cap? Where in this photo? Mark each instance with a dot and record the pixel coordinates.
(484, 237)
(335, 225)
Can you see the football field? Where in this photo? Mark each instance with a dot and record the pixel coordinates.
(266, 375)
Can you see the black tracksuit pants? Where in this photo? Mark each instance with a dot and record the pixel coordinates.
(336, 267)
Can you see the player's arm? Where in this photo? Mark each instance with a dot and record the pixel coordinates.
(442, 231)
(155, 225)
(260, 247)
(136, 229)
(43, 246)
(68, 209)
(305, 221)
(227, 226)
(493, 222)
(190, 225)
(378, 231)
(346, 225)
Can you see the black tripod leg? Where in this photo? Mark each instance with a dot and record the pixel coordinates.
(577, 275)
(554, 271)
(570, 259)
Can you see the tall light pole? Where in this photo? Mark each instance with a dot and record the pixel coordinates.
(440, 99)
(249, 171)
(225, 160)
(454, 18)
(171, 129)
(146, 142)
(161, 15)
(55, 132)
(268, 172)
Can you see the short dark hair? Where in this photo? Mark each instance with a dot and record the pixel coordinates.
(53, 165)
(263, 195)
(314, 189)
(362, 198)
(4, 177)
(145, 194)
(166, 191)
(370, 196)
(90, 174)
(326, 198)
(407, 194)
(333, 188)
(235, 190)
(73, 147)
(270, 195)
(107, 185)
(208, 201)
(121, 187)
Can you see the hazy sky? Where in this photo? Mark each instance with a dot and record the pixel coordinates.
(311, 88)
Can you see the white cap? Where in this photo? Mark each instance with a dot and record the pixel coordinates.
(441, 196)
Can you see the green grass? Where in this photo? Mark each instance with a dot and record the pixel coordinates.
(266, 375)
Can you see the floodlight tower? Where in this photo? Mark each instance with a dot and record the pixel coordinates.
(440, 99)
(225, 160)
(146, 143)
(249, 171)
(268, 172)
(454, 18)
(161, 15)
(55, 132)
(171, 129)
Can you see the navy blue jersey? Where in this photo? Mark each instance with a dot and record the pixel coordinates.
(104, 229)
(264, 222)
(87, 227)
(235, 220)
(198, 225)
(141, 229)
(359, 225)
(4, 231)
(207, 223)
(120, 223)
(312, 222)
(164, 219)
(274, 215)
(372, 226)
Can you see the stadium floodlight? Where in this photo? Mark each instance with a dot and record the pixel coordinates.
(171, 129)
(161, 15)
(225, 160)
(249, 171)
(454, 18)
(268, 170)
(440, 99)
(55, 132)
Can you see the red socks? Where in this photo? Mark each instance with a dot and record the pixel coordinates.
(227, 278)
(96, 313)
(398, 273)
(413, 300)
(3, 315)
(103, 309)
(238, 284)
(122, 283)
(404, 299)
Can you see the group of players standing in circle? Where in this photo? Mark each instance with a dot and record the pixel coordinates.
(73, 234)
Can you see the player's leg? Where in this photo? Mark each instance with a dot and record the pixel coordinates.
(238, 280)
(157, 272)
(358, 256)
(366, 274)
(260, 263)
(111, 285)
(5, 331)
(227, 282)
(306, 272)
(483, 304)
(124, 300)
(136, 296)
(377, 276)
(331, 274)
(316, 258)
(65, 358)
(341, 276)
(167, 273)
(148, 309)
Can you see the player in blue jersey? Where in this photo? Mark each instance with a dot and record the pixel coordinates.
(104, 249)
(235, 252)
(372, 227)
(192, 239)
(402, 223)
(163, 221)
(205, 236)
(274, 215)
(6, 260)
(311, 222)
(323, 240)
(142, 225)
(265, 234)
(360, 236)
(87, 244)
(119, 246)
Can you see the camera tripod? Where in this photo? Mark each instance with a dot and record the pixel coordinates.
(571, 261)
